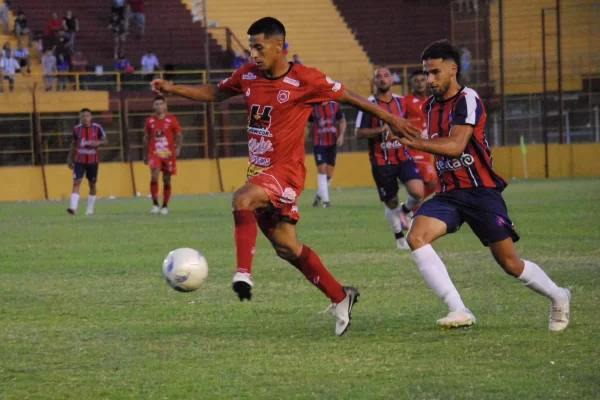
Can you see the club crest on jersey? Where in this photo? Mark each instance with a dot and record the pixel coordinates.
(259, 120)
(249, 76)
(160, 133)
(283, 96)
(291, 81)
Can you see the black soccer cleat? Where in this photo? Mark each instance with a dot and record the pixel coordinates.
(71, 211)
(317, 201)
(243, 290)
(326, 205)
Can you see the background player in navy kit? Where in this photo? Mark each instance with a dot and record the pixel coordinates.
(390, 161)
(84, 159)
(327, 124)
(469, 191)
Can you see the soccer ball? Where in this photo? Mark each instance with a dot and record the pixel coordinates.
(185, 270)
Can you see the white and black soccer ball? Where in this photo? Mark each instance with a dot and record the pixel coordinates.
(185, 270)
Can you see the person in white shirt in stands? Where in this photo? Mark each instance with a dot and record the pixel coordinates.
(149, 65)
(22, 57)
(9, 68)
(49, 65)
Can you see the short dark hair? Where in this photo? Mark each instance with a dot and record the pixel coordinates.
(268, 26)
(417, 73)
(442, 49)
(159, 97)
(85, 110)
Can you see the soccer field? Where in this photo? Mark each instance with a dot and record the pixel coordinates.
(86, 314)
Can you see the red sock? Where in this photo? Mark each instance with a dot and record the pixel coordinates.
(313, 269)
(154, 190)
(245, 239)
(166, 195)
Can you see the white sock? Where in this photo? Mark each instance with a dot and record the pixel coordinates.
(74, 201)
(412, 202)
(91, 203)
(434, 271)
(323, 188)
(393, 218)
(536, 279)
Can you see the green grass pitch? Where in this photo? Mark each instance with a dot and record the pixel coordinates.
(85, 313)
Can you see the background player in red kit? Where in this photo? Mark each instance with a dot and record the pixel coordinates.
(390, 161)
(414, 112)
(469, 191)
(279, 97)
(327, 124)
(84, 159)
(162, 145)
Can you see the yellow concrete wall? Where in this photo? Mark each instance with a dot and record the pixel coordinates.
(353, 170)
(21, 102)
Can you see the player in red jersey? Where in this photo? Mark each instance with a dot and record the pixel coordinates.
(390, 161)
(328, 126)
(83, 158)
(162, 145)
(469, 191)
(414, 113)
(279, 96)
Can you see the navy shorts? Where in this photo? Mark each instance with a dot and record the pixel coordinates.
(387, 176)
(325, 155)
(483, 209)
(89, 170)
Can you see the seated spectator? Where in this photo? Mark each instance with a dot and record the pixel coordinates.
(119, 31)
(149, 64)
(4, 10)
(78, 62)
(9, 66)
(296, 59)
(22, 28)
(62, 66)
(248, 56)
(50, 69)
(138, 15)
(123, 65)
(54, 25)
(71, 26)
(238, 60)
(22, 57)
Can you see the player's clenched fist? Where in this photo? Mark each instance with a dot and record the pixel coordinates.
(161, 86)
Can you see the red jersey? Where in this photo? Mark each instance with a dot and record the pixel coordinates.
(414, 111)
(84, 134)
(324, 118)
(474, 168)
(382, 150)
(162, 134)
(278, 109)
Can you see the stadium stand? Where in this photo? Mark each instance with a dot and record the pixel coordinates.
(315, 31)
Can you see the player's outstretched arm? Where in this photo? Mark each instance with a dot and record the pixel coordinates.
(451, 146)
(396, 124)
(204, 93)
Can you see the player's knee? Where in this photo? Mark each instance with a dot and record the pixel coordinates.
(242, 201)
(416, 240)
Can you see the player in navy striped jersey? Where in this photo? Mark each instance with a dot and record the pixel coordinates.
(469, 191)
(84, 158)
(328, 126)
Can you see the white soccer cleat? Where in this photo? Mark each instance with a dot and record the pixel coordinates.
(155, 210)
(342, 311)
(559, 315)
(242, 285)
(402, 244)
(457, 319)
(89, 212)
(164, 211)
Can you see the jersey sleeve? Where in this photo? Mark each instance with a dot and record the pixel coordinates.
(467, 110)
(233, 84)
(101, 133)
(322, 88)
(364, 120)
(339, 115)
(147, 128)
(176, 126)
(75, 134)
